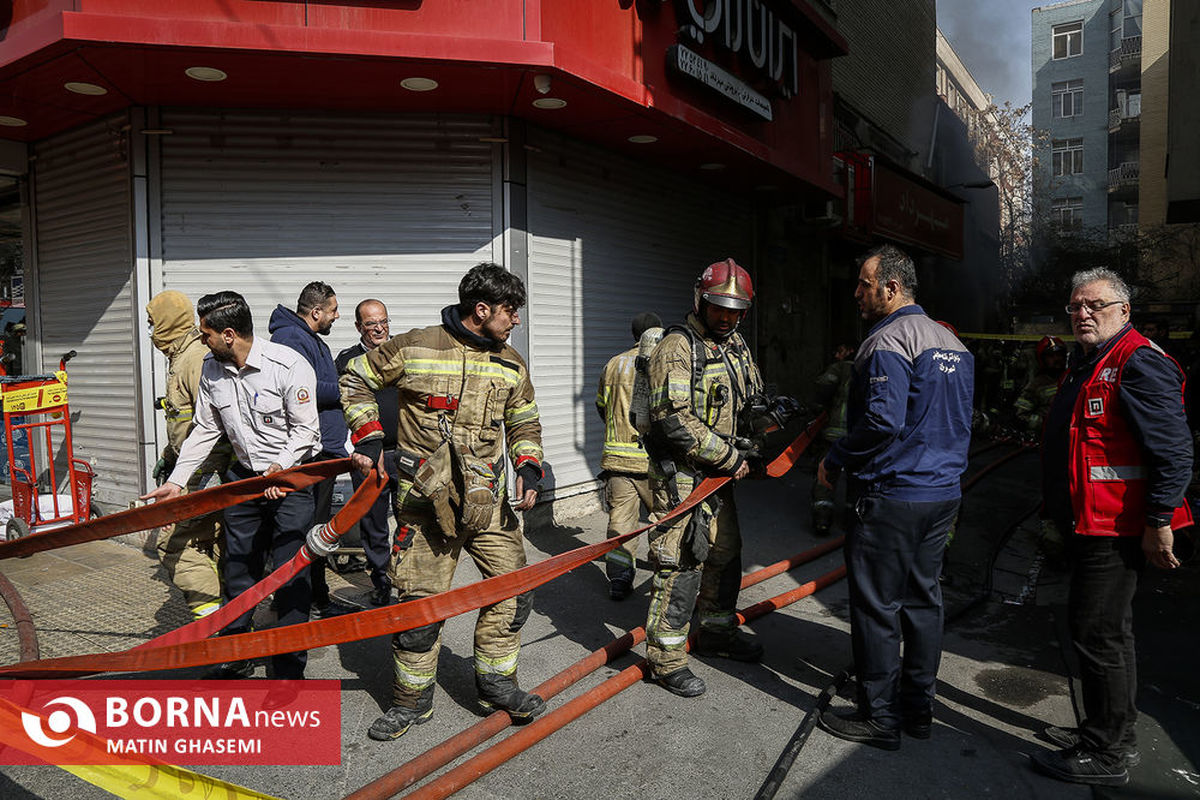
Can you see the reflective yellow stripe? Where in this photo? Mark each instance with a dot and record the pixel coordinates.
(521, 414)
(629, 449)
(413, 679)
(505, 665)
(356, 412)
(360, 366)
(433, 366)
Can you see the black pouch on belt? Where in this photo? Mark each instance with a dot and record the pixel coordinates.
(695, 537)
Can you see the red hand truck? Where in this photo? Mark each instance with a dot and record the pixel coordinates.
(33, 403)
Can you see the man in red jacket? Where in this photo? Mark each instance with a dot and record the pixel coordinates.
(1116, 457)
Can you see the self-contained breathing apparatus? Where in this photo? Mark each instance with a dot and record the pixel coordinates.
(758, 414)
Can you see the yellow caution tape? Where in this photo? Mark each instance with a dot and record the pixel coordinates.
(36, 398)
(160, 782)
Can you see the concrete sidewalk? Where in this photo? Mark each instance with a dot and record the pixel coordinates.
(1003, 675)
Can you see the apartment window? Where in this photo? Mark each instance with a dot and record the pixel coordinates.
(1067, 98)
(1067, 156)
(1133, 18)
(1067, 213)
(1068, 39)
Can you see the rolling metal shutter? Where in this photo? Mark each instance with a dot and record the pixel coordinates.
(609, 238)
(82, 213)
(392, 207)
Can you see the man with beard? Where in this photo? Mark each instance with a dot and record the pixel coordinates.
(463, 391)
(316, 311)
(908, 425)
(260, 395)
(701, 376)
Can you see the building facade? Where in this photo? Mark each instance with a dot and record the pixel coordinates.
(604, 152)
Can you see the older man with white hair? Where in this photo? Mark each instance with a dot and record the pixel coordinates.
(1116, 458)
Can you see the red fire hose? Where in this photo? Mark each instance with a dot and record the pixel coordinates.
(437, 757)
(524, 738)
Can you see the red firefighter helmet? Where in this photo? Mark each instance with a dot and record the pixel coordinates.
(1048, 345)
(724, 284)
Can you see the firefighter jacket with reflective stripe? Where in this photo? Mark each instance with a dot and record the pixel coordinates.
(1106, 467)
(623, 451)
(695, 415)
(446, 387)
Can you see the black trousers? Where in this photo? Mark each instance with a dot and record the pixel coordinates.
(322, 494)
(1100, 617)
(376, 539)
(254, 528)
(893, 558)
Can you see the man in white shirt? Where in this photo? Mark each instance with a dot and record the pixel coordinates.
(262, 396)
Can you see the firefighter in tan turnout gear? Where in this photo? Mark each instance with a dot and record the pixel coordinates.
(702, 377)
(462, 391)
(623, 460)
(189, 548)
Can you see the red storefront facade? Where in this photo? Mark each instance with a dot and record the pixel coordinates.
(604, 151)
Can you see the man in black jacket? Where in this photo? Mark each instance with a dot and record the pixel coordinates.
(316, 311)
(371, 322)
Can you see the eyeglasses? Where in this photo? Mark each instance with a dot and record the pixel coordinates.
(383, 323)
(1091, 305)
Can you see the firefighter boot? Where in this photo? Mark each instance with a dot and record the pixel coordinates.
(398, 719)
(731, 644)
(500, 692)
(682, 682)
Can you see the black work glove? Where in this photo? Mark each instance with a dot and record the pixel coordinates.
(530, 475)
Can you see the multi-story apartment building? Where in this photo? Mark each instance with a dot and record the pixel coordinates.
(1087, 107)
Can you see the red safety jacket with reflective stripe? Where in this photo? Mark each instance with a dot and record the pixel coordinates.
(1107, 474)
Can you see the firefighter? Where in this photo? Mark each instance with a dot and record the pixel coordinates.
(188, 549)
(463, 391)
(833, 387)
(623, 460)
(1035, 398)
(702, 376)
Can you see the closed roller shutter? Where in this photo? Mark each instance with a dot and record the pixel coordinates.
(392, 207)
(85, 303)
(609, 238)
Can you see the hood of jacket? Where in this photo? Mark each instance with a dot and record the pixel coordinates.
(171, 319)
(283, 317)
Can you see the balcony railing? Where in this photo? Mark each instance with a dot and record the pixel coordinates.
(1117, 119)
(1124, 176)
(1130, 52)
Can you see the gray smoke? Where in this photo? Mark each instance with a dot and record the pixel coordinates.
(992, 39)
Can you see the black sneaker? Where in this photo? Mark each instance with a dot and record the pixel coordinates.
(1067, 738)
(682, 682)
(396, 722)
(859, 728)
(619, 589)
(1078, 765)
(734, 645)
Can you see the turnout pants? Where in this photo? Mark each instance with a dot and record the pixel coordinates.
(427, 568)
(1100, 618)
(893, 558)
(279, 526)
(189, 550)
(697, 562)
(626, 494)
